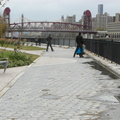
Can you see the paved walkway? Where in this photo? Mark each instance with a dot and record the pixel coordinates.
(59, 87)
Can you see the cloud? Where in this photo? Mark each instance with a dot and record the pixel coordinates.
(52, 10)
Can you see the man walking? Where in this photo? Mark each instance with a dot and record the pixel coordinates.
(49, 38)
(39, 40)
(79, 41)
(36, 40)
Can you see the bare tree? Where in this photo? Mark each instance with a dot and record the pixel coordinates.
(3, 24)
(3, 3)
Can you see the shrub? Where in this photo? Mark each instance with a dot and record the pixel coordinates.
(18, 58)
(3, 26)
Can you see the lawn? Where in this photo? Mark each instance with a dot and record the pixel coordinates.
(24, 47)
(16, 59)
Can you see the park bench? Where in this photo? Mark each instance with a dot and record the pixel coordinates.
(4, 63)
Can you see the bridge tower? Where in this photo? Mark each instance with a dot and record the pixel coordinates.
(6, 15)
(22, 20)
(87, 20)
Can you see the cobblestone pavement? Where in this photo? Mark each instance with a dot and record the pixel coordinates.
(59, 87)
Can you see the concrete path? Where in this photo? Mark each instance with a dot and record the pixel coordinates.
(59, 87)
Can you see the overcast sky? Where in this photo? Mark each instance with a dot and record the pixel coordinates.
(52, 10)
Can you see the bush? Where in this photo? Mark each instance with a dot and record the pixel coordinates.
(18, 58)
(6, 42)
(3, 26)
(2, 42)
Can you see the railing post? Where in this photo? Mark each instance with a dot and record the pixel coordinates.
(69, 42)
(112, 51)
(63, 41)
(58, 40)
(54, 41)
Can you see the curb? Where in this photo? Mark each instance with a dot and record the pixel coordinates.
(13, 81)
(111, 67)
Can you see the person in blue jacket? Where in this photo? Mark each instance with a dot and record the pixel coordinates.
(79, 41)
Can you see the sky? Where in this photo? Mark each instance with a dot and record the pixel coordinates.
(52, 10)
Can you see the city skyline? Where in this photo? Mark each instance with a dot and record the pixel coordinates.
(42, 10)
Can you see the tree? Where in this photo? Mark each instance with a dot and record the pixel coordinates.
(3, 26)
(99, 29)
(3, 3)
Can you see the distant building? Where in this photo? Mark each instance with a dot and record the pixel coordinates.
(105, 24)
(71, 19)
(114, 27)
(117, 17)
(62, 19)
(100, 9)
(101, 20)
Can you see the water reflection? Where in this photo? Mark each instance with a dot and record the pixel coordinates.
(104, 71)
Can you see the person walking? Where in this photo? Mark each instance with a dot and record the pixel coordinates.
(107, 36)
(36, 40)
(79, 41)
(49, 38)
(39, 40)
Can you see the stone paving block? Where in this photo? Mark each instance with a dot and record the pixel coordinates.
(57, 87)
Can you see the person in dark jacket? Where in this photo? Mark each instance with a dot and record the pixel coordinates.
(36, 40)
(39, 40)
(49, 38)
(79, 41)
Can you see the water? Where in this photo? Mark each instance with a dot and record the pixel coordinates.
(118, 98)
(104, 71)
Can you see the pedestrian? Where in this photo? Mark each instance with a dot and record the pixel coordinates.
(49, 38)
(36, 40)
(111, 37)
(39, 40)
(79, 41)
(107, 36)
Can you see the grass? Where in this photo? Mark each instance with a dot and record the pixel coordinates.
(16, 59)
(32, 48)
(24, 47)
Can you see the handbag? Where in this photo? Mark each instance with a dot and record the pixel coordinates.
(79, 51)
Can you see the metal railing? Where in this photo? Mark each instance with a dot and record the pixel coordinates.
(106, 48)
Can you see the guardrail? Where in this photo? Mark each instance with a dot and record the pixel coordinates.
(106, 48)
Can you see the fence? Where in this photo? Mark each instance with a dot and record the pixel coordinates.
(106, 48)
(63, 42)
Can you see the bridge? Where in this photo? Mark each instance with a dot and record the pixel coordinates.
(46, 26)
